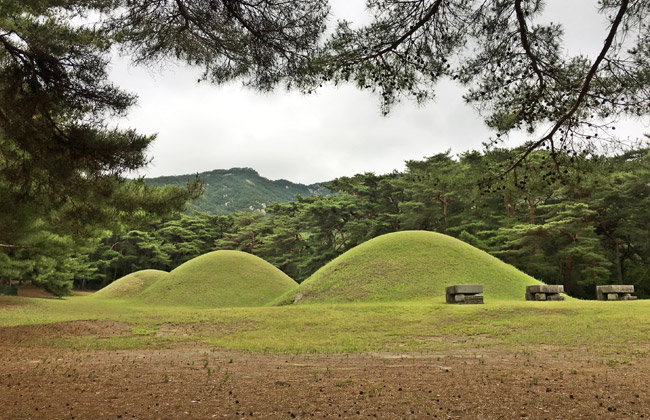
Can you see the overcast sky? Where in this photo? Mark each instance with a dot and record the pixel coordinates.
(335, 132)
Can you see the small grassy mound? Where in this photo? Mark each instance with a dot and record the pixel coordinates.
(406, 266)
(220, 279)
(131, 284)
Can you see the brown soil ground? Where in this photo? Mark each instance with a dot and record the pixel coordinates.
(198, 382)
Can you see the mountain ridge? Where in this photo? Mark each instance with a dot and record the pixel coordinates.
(238, 189)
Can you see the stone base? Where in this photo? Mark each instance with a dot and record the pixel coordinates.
(472, 300)
(465, 299)
(543, 297)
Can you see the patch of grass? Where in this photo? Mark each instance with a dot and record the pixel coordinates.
(114, 343)
(131, 284)
(409, 265)
(617, 328)
(143, 331)
(219, 279)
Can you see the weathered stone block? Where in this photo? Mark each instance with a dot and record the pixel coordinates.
(545, 288)
(544, 292)
(615, 292)
(616, 288)
(466, 289)
(464, 293)
(473, 299)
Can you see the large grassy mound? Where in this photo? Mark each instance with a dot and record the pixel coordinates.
(220, 279)
(131, 284)
(409, 265)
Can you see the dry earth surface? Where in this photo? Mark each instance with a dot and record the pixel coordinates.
(198, 382)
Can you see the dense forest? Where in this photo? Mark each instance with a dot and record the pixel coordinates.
(584, 225)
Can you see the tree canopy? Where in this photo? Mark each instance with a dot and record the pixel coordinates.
(62, 165)
(60, 160)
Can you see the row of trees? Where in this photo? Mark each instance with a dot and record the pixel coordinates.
(584, 227)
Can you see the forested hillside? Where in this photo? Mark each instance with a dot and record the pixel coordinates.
(238, 189)
(584, 225)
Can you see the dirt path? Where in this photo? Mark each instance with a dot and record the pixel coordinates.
(205, 383)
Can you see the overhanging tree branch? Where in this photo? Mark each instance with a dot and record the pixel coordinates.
(433, 10)
(523, 33)
(583, 91)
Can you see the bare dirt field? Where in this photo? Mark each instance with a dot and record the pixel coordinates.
(198, 382)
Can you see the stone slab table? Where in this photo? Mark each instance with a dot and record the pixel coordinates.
(464, 294)
(615, 292)
(544, 292)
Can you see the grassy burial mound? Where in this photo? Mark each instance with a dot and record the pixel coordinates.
(410, 265)
(131, 284)
(220, 279)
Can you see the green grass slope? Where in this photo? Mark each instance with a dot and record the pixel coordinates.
(220, 279)
(406, 266)
(130, 285)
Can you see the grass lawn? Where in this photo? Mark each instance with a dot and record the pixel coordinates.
(427, 325)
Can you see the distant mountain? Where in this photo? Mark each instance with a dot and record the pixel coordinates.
(238, 189)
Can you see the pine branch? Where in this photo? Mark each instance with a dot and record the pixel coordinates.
(583, 91)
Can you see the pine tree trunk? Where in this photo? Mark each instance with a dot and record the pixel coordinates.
(252, 244)
(444, 210)
(531, 211)
(619, 262)
(510, 206)
(342, 244)
(567, 280)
